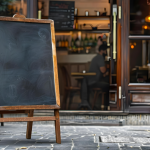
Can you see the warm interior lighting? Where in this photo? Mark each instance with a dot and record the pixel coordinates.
(132, 46)
(145, 27)
(147, 19)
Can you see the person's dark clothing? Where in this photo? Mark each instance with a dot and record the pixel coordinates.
(97, 62)
(96, 81)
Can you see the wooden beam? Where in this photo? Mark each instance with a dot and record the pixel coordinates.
(26, 119)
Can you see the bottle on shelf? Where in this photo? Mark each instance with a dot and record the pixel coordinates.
(105, 12)
(86, 13)
(76, 12)
(95, 41)
(77, 41)
(66, 42)
(82, 42)
(86, 41)
(59, 42)
(63, 42)
(76, 24)
(90, 41)
(72, 42)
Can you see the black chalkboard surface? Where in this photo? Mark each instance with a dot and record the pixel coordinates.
(26, 64)
(62, 12)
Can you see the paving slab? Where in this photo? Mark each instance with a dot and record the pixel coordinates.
(13, 137)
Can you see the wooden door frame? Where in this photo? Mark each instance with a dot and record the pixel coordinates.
(126, 86)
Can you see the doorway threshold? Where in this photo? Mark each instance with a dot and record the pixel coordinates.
(111, 113)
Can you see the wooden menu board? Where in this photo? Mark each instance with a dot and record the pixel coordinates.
(28, 69)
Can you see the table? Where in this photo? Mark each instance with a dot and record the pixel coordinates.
(80, 78)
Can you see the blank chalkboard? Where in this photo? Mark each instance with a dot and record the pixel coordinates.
(26, 63)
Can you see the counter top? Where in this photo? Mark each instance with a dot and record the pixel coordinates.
(75, 58)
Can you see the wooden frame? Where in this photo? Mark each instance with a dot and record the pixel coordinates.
(30, 108)
(127, 86)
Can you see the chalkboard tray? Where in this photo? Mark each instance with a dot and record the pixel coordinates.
(28, 64)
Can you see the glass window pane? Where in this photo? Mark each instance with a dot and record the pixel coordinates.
(140, 17)
(139, 61)
(11, 7)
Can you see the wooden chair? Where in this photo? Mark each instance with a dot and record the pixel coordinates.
(68, 89)
(97, 92)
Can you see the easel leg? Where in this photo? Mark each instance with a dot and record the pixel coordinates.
(57, 126)
(29, 125)
(2, 124)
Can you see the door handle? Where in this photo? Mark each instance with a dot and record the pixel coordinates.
(114, 30)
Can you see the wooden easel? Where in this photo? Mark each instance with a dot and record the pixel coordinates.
(30, 109)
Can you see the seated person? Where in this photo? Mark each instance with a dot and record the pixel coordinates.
(98, 81)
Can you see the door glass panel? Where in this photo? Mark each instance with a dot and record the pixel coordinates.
(139, 61)
(140, 17)
(141, 98)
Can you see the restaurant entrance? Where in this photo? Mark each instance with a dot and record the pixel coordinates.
(81, 27)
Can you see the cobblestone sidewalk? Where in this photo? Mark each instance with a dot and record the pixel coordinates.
(13, 137)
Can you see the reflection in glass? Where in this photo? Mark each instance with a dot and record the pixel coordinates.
(140, 17)
(139, 61)
(11, 7)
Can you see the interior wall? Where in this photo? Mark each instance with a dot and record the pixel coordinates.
(83, 5)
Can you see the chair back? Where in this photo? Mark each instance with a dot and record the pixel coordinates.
(66, 77)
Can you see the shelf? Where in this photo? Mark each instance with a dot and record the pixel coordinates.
(46, 17)
(104, 17)
(93, 31)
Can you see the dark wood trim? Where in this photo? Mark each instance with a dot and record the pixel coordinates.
(125, 53)
(139, 37)
(128, 87)
(139, 109)
(140, 104)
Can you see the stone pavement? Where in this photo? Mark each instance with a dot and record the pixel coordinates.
(13, 137)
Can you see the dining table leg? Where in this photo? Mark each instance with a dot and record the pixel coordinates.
(84, 95)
